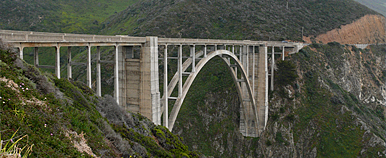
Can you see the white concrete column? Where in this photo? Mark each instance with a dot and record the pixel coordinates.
(272, 67)
(193, 55)
(266, 86)
(89, 66)
(36, 56)
(152, 43)
(247, 59)
(253, 69)
(180, 71)
(215, 47)
(205, 51)
(262, 87)
(166, 99)
(283, 53)
(241, 54)
(116, 75)
(21, 52)
(57, 61)
(99, 77)
(233, 49)
(69, 66)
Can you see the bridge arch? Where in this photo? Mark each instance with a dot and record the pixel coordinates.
(225, 55)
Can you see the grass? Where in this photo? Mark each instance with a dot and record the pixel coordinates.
(13, 149)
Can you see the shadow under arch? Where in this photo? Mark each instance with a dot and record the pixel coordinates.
(225, 55)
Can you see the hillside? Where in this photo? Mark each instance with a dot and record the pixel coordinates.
(61, 118)
(67, 16)
(227, 19)
(377, 5)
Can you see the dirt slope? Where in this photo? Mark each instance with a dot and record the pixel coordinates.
(368, 29)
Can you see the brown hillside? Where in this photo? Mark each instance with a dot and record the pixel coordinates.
(368, 29)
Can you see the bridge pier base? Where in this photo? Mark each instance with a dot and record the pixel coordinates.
(139, 82)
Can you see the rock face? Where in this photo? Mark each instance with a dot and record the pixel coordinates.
(334, 109)
(338, 108)
(369, 29)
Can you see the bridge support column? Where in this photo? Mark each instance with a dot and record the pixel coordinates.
(98, 73)
(262, 84)
(283, 53)
(89, 66)
(272, 67)
(205, 51)
(36, 56)
(57, 61)
(116, 75)
(122, 76)
(69, 67)
(21, 53)
(180, 71)
(166, 98)
(150, 97)
(140, 81)
(193, 56)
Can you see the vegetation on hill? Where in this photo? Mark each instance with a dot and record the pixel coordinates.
(228, 19)
(62, 118)
(67, 16)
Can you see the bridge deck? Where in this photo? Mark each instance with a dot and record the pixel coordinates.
(44, 39)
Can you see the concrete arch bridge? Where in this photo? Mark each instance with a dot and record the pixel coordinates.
(137, 73)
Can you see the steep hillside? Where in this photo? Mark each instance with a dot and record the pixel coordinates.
(335, 108)
(227, 19)
(61, 118)
(67, 16)
(369, 29)
(377, 5)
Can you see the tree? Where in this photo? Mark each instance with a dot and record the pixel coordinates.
(286, 73)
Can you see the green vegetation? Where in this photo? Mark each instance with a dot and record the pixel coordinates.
(246, 19)
(55, 114)
(71, 16)
(40, 115)
(285, 75)
(13, 149)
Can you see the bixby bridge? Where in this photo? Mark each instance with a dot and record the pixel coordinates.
(137, 75)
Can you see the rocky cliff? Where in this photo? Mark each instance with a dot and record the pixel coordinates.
(368, 29)
(336, 107)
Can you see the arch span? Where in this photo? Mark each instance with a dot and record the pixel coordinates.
(225, 55)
